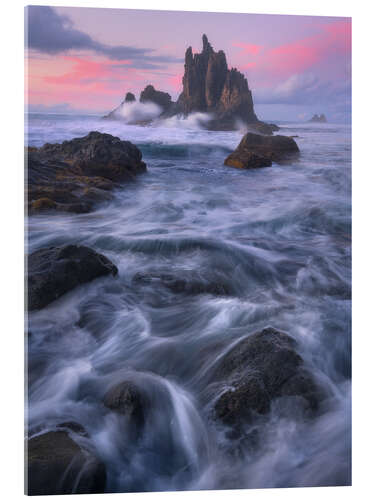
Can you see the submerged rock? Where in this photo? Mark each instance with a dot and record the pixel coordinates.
(54, 271)
(124, 398)
(128, 400)
(259, 369)
(77, 174)
(57, 465)
(256, 151)
(190, 282)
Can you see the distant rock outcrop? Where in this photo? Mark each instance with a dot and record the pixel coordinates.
(255, 151)
(318, 119)
(209, 86)
(162, 99)
(129, 97)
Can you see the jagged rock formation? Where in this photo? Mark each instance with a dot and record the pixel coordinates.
(162, 99)
(209, 86)
(318, 119)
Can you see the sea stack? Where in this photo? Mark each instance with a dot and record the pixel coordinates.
(318, 119)
(210, 87)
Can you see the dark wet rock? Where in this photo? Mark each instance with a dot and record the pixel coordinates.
(256, 151)
(247, 161)
(190, 282)
(162, 99)
(128, 400)
(76, 175)
(263, 128)
(57, 465)
(129, 97)
(42, 204)
(318, 119)
(54, 271)
(209, 86)
(98, 155)
(259, 369)
(73, 427)
(115, 114)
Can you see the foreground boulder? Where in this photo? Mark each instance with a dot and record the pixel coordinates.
(259, 369)
(77, 174)
(255, 151)
(54, 271)
(57, 465)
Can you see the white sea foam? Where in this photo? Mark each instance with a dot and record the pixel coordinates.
(133, 112)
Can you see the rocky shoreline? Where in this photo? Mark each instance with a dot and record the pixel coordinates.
(261, 368)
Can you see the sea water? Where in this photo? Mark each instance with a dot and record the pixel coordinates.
(280, 237)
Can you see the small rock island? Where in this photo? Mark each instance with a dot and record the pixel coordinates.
(318, 119)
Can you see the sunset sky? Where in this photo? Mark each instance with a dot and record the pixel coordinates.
(86, 59)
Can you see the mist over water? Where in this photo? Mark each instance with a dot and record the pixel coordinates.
(135, 111)
(278, 238)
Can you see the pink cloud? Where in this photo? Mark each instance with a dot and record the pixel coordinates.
(248, 48)
(176, 82)
(331, 40)
(248, 65)
(85, 71)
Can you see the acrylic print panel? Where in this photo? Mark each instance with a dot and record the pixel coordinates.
(189, 250)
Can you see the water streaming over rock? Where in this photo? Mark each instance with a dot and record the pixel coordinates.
(257, 248)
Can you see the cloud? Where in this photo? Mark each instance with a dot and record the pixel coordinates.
(327, 45)
(248, 48)
(60, 108)
(307, 89)
(51, 33)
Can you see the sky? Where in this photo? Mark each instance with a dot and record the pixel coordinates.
(84, 60)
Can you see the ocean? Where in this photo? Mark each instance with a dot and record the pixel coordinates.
(279, 237)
